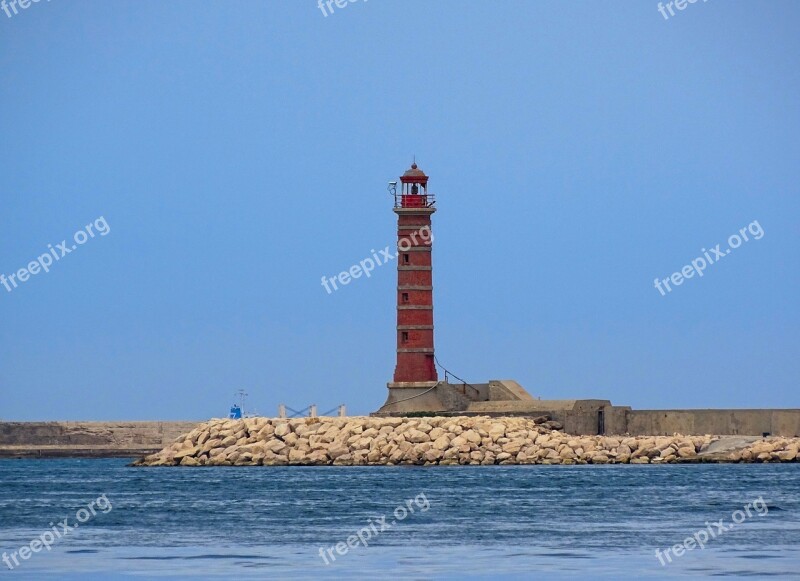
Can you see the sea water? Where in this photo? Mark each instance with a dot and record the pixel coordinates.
(454, 522)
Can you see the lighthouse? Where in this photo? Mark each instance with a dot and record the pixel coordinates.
(415, 386)
(415, 371)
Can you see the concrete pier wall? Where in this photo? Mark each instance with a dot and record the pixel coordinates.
(508, 398)
(593, 417)
(721, 422)
(90, 439)
(623, 420)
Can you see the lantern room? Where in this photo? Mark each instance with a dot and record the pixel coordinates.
(415, 190)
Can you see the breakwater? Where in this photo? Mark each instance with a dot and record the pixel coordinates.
(359, 441)
(87, 439)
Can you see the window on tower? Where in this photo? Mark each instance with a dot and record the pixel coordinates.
(405, 297)
(404, 336)
(406, 258)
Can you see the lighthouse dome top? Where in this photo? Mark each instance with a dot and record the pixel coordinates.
(414, 175)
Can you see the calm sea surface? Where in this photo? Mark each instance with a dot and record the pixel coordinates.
(515, 522)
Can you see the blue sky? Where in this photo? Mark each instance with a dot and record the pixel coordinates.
(239, 151)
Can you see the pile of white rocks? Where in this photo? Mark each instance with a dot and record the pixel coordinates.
(360, 441)
(774, 449)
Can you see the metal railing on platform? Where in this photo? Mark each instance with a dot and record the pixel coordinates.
(310, 411)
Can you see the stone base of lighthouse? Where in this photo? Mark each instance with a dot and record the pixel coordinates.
(411, 397)
(444, 397)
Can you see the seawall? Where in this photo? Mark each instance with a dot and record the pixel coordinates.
(578, 417)
(387, 441)
(87, 439)
(600, 417)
